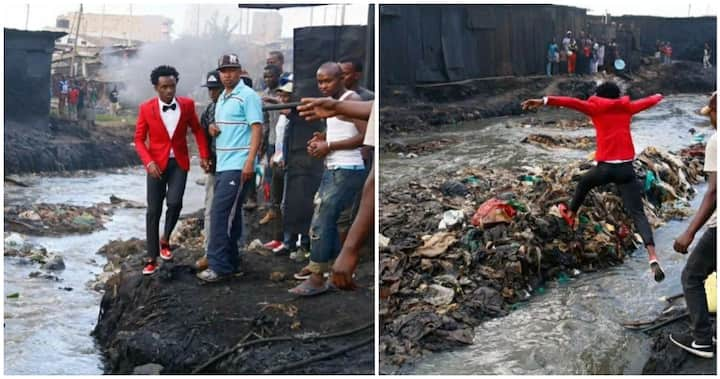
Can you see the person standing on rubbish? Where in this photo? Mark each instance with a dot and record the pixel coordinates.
(238, 115)
(703, 259)
(611, 115)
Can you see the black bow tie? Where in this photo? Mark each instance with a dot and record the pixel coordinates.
(166, 107)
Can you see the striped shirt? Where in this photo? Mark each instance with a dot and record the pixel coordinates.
(235, 113)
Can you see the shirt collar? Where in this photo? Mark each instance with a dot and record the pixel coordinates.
(160, 102)
(235, 90)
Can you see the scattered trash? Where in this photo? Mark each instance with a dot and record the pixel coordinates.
(433, 283)
(436, 244)
(493, 212)
(438, 295)
(450, 219)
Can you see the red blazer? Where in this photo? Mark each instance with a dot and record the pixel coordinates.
(611, 118)
(150, 126)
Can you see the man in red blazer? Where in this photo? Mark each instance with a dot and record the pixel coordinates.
(163, 122)
(611, 115)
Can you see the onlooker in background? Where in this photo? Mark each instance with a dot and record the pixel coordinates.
(553, 57)
(64, 91)
(114, 105)
(73, 98)
(352, 70)
(207, 121)
(706, 56)
(271, 78)
(572, 55)
(276, 58)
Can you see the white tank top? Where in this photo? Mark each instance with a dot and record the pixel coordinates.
(338, 130)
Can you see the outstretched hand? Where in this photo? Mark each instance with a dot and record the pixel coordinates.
(315, 108)
(531, 104)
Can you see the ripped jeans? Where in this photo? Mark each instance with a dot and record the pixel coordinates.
(337, 191)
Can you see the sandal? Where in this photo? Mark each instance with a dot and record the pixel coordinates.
(305, 289)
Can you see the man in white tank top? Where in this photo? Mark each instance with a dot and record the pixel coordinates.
(342, 180)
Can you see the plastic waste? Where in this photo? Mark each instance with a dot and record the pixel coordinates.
(492, 212)
(450, 219)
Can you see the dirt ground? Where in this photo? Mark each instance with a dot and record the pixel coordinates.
(173, 319)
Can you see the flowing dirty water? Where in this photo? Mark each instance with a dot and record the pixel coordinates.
(47, 329)
(574, 327)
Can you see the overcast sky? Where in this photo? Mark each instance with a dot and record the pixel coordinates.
(44, 14)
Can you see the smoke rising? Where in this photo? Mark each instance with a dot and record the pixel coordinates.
(192, 56)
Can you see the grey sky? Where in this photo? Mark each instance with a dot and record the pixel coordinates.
(43, 15)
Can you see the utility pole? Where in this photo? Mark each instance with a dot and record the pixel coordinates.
(27, 15)
(342, 15)
(312, 12)
(689, 6)
(325, 15)
(102, 23)
(130, 26)
(77, 32)
(197, 21)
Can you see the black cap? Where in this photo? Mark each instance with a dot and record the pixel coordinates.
(229, 60)
(212, 80)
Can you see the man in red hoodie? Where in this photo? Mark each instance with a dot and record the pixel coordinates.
(611, 115)
(163, 121)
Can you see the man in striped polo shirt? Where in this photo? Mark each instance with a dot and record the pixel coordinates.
(238, 116)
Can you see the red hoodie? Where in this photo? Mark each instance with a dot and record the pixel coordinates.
(611, 118)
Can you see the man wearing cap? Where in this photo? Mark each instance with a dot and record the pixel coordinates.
(703, 259)
(163, 122)
(207, 121)
(238, 116)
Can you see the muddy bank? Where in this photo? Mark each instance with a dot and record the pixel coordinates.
(67, 146)
(668, 359)
(474, 244)
(433, 107)
(173, 320)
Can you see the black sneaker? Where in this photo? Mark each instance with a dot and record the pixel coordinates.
(687, 343)
(658, 273)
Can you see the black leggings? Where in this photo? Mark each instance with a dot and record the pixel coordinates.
(623, 175)
(172, 185)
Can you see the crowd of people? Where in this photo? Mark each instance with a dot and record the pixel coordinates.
(585, 55)
(75, 96)
(242, 134)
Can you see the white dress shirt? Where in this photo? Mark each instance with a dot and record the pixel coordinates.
(170, 118)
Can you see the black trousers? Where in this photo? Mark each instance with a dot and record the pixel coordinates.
(623, 175)
(171, 185)
(701, 263)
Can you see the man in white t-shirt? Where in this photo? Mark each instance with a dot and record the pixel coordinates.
(703, 259)
(347, 261)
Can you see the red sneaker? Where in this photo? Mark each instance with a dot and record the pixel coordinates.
(165, 252)
(150, 268)
(272, 245)
(565, 213)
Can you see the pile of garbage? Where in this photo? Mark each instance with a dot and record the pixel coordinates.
(55, 219)
(404, 150)
(469, 246)
(549, 141)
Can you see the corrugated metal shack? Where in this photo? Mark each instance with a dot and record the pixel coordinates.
(445, 43)
(28, 56)
(686, 34)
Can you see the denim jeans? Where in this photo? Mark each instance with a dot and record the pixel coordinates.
(290, 240)
(337, 191)
(226, 222)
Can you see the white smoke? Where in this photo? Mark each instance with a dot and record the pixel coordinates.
(192, 56)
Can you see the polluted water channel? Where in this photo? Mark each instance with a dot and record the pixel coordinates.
(47, 326)
(574, 325)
